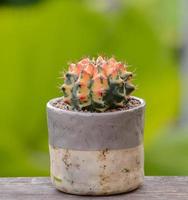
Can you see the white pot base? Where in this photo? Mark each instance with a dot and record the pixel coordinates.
(97, 172)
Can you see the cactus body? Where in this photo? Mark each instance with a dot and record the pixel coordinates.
(97, 85)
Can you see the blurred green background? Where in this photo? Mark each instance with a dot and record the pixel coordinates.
(38, 38)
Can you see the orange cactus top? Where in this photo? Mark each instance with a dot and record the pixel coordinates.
(97, 84)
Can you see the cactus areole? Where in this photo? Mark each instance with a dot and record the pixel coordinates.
(96, 130)
(97, 84)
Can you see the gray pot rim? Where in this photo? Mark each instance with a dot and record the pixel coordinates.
(59, 110)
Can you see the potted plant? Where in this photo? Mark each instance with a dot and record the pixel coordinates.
(96, 130)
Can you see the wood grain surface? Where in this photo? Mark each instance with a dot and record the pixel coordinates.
(40, 188)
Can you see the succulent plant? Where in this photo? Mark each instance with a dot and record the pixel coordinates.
(97, 84)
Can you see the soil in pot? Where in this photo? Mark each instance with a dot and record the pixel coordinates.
(131, 103)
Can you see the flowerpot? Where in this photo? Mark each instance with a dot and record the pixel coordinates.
(96, 153)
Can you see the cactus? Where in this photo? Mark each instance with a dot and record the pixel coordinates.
(97, 84)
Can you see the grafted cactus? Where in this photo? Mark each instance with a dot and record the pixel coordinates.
(97, 84)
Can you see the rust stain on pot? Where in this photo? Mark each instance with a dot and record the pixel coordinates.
(103, 167)
(66, 159)
(104, 182)
(103, 154)
(125, 170)
(138, 161)
(104, 179)
(104, 176)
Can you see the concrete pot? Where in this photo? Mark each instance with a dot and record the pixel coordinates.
(96, 153)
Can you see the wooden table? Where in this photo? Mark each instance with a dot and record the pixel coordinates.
(40, 188)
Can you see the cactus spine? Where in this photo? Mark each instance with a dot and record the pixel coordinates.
(97, 85)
